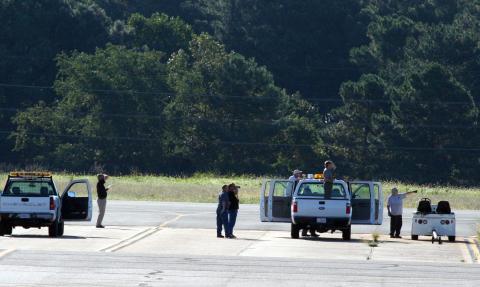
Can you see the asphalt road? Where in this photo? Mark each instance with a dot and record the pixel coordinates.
(202, 215)
(107, 269)
(148, 244)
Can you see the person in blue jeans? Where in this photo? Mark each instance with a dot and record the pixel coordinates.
(232, 209)
(222, 211)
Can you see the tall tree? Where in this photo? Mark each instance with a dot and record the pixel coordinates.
(31, 35)
(110, 113)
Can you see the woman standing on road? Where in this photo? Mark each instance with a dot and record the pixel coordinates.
(232, 209)
(102, 198)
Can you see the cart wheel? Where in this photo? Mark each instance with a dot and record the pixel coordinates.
(414, 237)
(451, 238)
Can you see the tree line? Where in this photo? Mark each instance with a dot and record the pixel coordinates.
(386, 89)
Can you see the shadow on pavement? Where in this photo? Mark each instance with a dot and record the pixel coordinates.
(247, 239)
(324, 239)
(61, 237)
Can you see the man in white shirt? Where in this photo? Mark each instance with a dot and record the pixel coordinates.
(297, 175)
(395, 211)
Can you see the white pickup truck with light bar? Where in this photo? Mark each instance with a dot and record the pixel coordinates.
(30, 199)
(303, 204)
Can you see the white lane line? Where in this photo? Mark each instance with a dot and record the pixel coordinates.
(5, 252)
(145, 233)
(475, 250)
(139, 236)
(106, 249)
(466, 252)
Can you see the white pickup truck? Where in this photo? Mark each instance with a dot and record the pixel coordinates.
(304, 204)
(30, 199)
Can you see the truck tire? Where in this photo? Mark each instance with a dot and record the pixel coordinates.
(61, 228)
(451, 238)
(7, 229)
(53, 229)
(347, 233)
(2, 230)
(294, 231)
(414, 237)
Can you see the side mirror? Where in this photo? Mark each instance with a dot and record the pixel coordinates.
(72, 194)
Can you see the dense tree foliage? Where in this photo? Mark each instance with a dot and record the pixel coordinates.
(31, 35)
(388, 89)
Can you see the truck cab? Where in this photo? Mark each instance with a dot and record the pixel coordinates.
(303, 204)
(30, 199)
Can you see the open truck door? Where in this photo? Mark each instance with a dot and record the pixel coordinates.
(264, 200)
(280, 200)
(367, 202)
(77, 201)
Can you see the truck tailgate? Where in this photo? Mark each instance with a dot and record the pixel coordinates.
(317, 207)
(18, 204)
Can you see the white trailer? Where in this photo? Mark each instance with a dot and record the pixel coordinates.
(434, 224)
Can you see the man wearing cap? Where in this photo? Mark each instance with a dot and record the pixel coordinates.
(102, 198)
(222, 211)
(297, 175)
(395, 210)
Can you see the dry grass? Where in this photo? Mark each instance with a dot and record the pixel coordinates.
(205, 188)
(459, 197)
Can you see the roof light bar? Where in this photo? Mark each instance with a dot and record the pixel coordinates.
(30, 174)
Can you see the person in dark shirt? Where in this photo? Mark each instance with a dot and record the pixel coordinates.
(232, 209)
(328, 178)
(102, 198)
(222, 211)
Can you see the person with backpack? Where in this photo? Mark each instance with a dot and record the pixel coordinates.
(395, 211)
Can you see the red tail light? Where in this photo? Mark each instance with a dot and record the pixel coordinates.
(294, 206)
(348, 209)
(52, 204)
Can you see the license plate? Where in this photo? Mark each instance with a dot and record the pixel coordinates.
(24, 215)
(321, 220)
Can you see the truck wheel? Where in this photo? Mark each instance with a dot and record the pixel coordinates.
(451, 238)
(61, 228)
(294, 231)
(53, 229)
(414, 237)
(7, 230)
(2, 230)
(347, 233)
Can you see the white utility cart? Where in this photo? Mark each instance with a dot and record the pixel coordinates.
(433, 220)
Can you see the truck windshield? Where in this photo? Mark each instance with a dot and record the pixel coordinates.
(315, 189)
(29, 188)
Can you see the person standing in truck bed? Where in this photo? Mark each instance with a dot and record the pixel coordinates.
(329, 178)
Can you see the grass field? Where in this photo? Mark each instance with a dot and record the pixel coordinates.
(205, 188)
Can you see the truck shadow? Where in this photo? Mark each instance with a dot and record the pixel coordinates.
(62, 237)
(325, 239)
